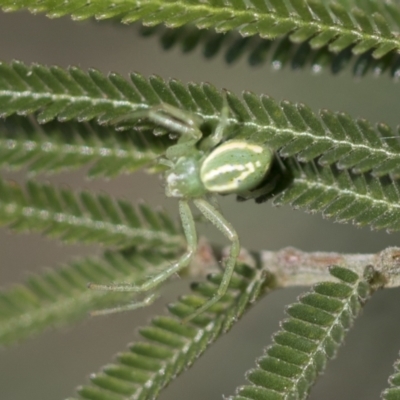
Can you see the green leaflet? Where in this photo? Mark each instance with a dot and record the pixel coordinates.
(344, 196)
(170, 346)
(84, 217)
(58, 297)
(293, 129)
(277, 53)
(56, 147)
(308, 338)
(393, 392)
(314, 20)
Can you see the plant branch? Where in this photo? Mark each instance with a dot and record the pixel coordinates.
(304, 19)
(317, 325)
(293, 267)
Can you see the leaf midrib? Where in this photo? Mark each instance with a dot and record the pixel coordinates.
(321, 346)
(63, 149)
(324, 186)
(95, 225)
(260, 16)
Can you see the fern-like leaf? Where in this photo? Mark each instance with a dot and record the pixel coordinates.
(84, 217)
(312, 20)
(358, 198)
(63, 94)
(393, 392)
(292, 128)
(61, 296)
(278, 54)
(57, 146)
(172, 346)
(315, 329)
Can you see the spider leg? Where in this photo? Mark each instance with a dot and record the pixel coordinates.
(187, 118)
(166, 116)
(212, 140)
(153, 281)
(127, 307)
(215, 217)
(213, 200)
(181, 149)
(262, 191)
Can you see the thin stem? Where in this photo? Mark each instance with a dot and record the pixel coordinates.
(293, 267)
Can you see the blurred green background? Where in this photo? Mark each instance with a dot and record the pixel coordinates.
(48, 367)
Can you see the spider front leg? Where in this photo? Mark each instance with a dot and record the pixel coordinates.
(215, 217)
(215, 138)
(155, 280)
(173, 120)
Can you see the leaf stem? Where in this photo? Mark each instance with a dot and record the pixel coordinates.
(293, 267)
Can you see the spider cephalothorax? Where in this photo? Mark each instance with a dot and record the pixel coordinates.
(198, 167)
(183, 178)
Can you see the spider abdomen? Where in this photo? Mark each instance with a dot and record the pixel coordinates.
(235, 166)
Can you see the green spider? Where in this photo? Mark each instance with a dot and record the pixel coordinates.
(199, 168)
